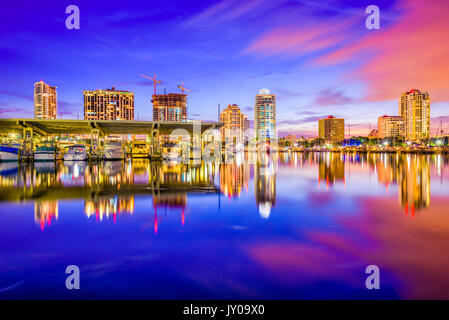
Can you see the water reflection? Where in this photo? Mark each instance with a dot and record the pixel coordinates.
(331, 169)
(108, 188)
(307, 224)
(106, 206)
(45, 211)
(265, 184)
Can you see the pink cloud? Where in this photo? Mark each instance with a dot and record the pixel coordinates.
(290, 40)
(412, 53)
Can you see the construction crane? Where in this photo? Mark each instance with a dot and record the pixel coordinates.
(182, 88)
(155, 81)
(440, 131)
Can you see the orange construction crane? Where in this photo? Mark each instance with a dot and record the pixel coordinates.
(182, 88)
(155, 81)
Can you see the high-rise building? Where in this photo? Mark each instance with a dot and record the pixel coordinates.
(45, 102)
(170, 107)
(414, 108)
(291, 138)
(265, 116)
(109, 104)
(390, 126)
(235, 123)
(331, 129)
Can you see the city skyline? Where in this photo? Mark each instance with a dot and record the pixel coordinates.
(312, 66)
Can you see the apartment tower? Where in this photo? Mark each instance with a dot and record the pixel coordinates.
(331, 129)
(109, 104)
(45, 101)
(414, 108)
(235, 123)
(390, 126)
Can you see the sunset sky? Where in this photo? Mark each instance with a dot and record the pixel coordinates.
(318, 58)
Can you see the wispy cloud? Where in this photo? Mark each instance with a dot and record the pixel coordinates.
(309, 119)
(17, 95)
(331, 97)
(294, 40)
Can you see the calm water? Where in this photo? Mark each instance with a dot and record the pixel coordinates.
(289, 227)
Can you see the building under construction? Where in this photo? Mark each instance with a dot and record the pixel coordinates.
(170, 107)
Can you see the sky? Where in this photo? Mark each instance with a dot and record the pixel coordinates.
(318, 58)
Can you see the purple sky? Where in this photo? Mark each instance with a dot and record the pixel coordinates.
(318, 59)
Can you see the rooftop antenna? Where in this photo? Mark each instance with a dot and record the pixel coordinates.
(218, 112)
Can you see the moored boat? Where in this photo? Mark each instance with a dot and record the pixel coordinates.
(171, 152)
(9, 153)
(75, 153)
(46, 152)
(113, 151)
(139, 149)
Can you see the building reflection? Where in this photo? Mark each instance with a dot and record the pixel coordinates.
(45, 211)
(110, 188)
(411, 172)
(331, 169)
(103, 207)
(265, 183)
(414, 183)
(233, 178)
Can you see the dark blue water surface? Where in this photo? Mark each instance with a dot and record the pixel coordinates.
(292, 226)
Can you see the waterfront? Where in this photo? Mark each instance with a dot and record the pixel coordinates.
(297, 225)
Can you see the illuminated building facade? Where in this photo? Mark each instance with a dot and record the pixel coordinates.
(109, 104)
(265, 116)
(45, 101)
(291, 138)
(331, 129)
(390, 126)
(170, 107)
(414, 108)
(235, 123)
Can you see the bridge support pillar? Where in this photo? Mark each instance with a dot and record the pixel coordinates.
(95, 144)
(155, 146)
(28, 142)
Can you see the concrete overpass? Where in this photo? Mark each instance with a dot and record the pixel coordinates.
(105, 127)
(28, 129)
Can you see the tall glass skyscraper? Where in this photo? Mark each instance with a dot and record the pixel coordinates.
(265, 116)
